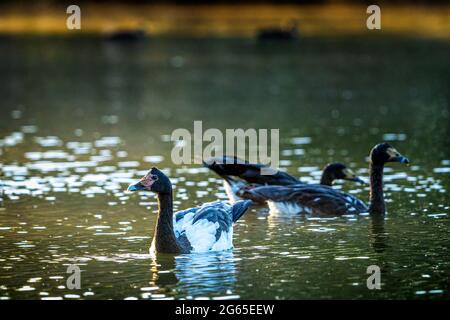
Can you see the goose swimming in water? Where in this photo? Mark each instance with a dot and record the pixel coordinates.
(226, 167)
(323, 200)
(208, 227)
(279, 33)
(127, 35)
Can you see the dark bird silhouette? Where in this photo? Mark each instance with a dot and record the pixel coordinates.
(127, 35)
(280, 33)
(323, 200)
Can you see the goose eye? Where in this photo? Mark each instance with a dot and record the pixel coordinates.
(154, 177)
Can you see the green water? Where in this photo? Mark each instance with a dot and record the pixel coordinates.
(79, 119)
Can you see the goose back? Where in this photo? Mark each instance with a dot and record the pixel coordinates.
(208, 227)
(249, 172)
(311, 199)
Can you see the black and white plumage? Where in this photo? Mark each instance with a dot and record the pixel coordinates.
(249, 176)
(321, 200)
(227, 166)
(316, 200)
(208, 227)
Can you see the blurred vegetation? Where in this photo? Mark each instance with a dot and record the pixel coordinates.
(224, 19)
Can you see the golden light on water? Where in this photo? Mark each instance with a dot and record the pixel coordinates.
(228, 20)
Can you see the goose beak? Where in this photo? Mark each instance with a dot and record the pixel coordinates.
(359, 180)
(400, 159)
(395, 156)
(351, 176)
(135, 187)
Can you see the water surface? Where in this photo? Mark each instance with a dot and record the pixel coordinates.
(80, 119)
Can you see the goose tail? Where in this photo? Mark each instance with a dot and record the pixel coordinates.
(239, 208)
(226, 166)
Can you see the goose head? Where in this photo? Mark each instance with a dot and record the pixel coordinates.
(155, 180)
(338, 170)
(384, 152)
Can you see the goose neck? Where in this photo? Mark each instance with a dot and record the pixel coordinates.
(377, 205)
(165, 240)
(326, 179)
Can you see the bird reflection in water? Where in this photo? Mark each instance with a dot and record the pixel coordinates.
(378, 237)
(195, 275)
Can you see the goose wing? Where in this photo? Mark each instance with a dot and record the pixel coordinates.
(280, 178)
(250, 172)
(314, 199)
(210, 226)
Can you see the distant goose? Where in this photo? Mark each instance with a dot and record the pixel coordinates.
(208, 227)
(323, 200)
(228, 167)
(127, 35)
(289, 33)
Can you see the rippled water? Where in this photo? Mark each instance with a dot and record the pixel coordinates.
(81, 119)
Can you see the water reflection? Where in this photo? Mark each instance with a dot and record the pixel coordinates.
(378, 237)
(105, 116)
(196, 275)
